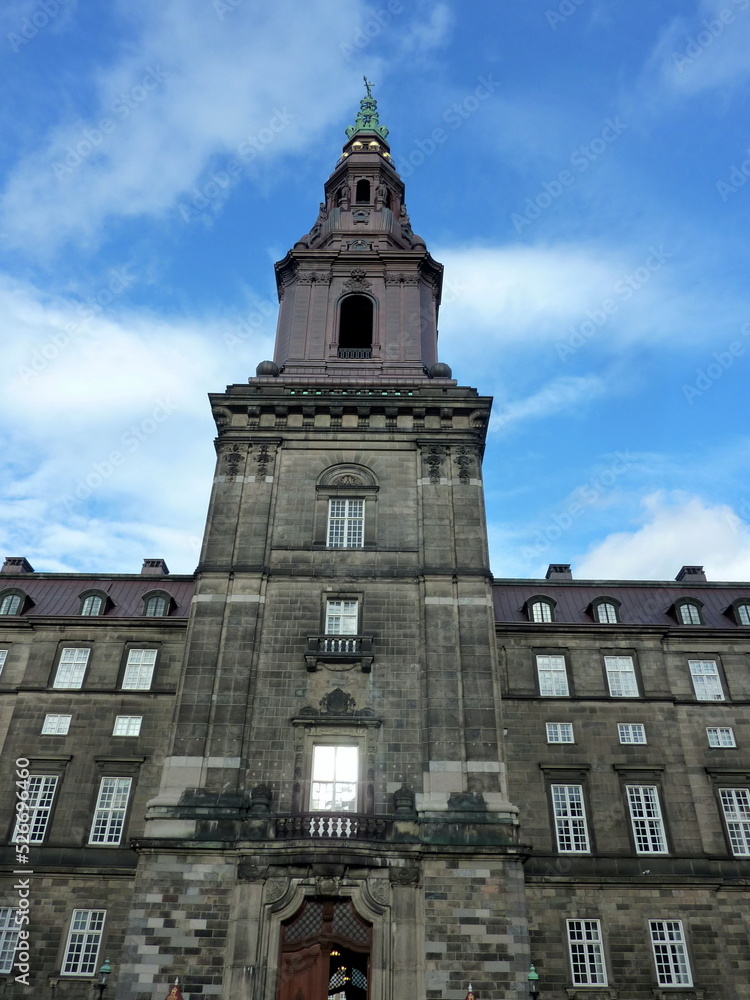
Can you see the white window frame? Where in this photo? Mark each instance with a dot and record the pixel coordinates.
(83, 943)
(560, 732)
(128, 723)
(646, 820)
(627, 731)
(327, 786)
(569, 812)
(670, 953)
(735, 804)
(139, 670)
(706, 680)
(743, 613)
(10, 604)
(346, 523)
(71, 667)
(621, 677)
(587, 964)
(41, 791)
(689, 613)
(606, 613)
(342, 623)
(56, 725)
(720, 736)
(8, 938)
(553, 675)
(156, 606)
(3, 658)
(92, 604)
(108, 823)
(541, 612)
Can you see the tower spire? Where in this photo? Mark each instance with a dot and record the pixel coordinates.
(367, 119)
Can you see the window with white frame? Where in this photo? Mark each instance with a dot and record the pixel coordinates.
(342, 619)
(606, 613)
(92, 605)
(8, 938)
(346, 524)
(541, 612)
(706, 680)
(156, 606)
(689, 614)
(586, 954)
(631, 732)
(10, 604)
(109, 815)
(646, 819)
(560, 732)
(3, 658)
(139, 669)
(127, 725)
(82, 946)
(71, 668)
(41, 790)
(670, 953)
(553, 678)
(570, 819)
(621, 676)
(735, 803)
(335, 778)
(56, 725)
(720, 736)
(742, 612)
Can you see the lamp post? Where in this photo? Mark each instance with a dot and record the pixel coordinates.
(533, 979)
(103, 977)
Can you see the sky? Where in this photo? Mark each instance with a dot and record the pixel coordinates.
(580, 167)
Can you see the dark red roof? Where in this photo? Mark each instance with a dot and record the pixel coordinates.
(55, 594)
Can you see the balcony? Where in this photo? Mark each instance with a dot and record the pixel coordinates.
(339, 649)
(355, 353)
(331, 826)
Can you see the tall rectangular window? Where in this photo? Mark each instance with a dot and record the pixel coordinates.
(720, 736)
(646, 819)
(109, 815)
(586, 955)
(41, 791)
(84, 938)
(570, 819)
(631, 732)
(342, 617)
(560, 732)
(139, 669)
(553, 680)
(8, 938)
(736, 805)
(335, 777)
(56, 725)
(71, 668)
(706, 680)
(670, 953)
(346, 524)
(621, 676)
(127, 725)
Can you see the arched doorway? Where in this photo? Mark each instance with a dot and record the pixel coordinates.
(355, 327)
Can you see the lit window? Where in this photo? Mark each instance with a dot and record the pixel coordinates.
(560, 732)
(346, 524)
(646, 819)
(540, 611)
(155, 606)
(84, 938)
(71, 668)
(109, 815)
(127, 725)
(670, 953)
(10, 604)
(621, 676)
(8, 938)
(736, 805)
(3, 658)
(41, 789)
(631, 732)
(706, 680)
(92, 605)
(335, 774)
(139, 669)
(743, 614)
(720, 736)
(570, 819)
(586, 955)
(553, 680)
(606, 613)
(689, 614)
(56, 725)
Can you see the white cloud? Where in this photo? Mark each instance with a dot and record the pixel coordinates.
(560, 394)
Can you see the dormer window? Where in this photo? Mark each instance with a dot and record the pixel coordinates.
(92, 604)
(157, 605)
(355, 327)
(740, 612)
(689, 613)
(10, 604)
(362, 195)
(605, 612)
(540, 610)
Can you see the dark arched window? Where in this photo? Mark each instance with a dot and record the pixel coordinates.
(363, 192)
(355, 327)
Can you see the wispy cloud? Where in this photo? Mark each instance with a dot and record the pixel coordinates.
(559, 395)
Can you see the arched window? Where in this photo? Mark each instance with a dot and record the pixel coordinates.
(606, 612)
(10, 604)
(156, 605)
(93, 604)
(355, 327)
(741, 612)
(540, 610)
(689, 613)
(363, 192)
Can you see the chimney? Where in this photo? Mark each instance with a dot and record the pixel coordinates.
(154, 567)
(16, 564)
(558, 571)
(691, 574)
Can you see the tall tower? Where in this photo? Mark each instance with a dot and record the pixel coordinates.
(333, 818)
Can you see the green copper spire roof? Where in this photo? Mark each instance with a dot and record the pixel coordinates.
(367, 120)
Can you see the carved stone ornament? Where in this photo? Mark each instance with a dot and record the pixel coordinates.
(337, 702)
(327, 886)
(463, 461)
(221, 417)
(358, 281)
(264, 458)
(252, 873)
(404, 876)
(313, 277)
(276, 888)
(401, 279)
(434, 461)
(347, 479)
(358, 245)
(378, 889)
(232, 460)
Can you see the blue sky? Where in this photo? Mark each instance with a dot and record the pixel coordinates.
(582, 169)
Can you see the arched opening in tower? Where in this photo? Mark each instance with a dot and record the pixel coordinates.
(355, 327)
(363, 192)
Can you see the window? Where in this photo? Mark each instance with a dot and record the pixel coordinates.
(109, 815)
(621, 676)
(553, 680)
(10, 604)
(41, 789)
(570, 819)
(71, 668)
(84, 938)
(706, 680)
(139, 669)
(541, 612)
(720, 736)
(127, 725)
(342, 618)
(742, 613)
(646, 819)
(670, 953)
(346, 524)
(586, 955)
(56, 725)
(606, 613)
(355, 327)
(156, 606)
(631, 732)
(689, 614)
(92, 605)
(3, 658)
(335, 774)
(362, 192)
(560, 732)
(8, 938)
(736, 805)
